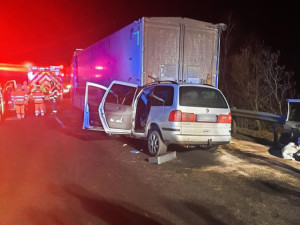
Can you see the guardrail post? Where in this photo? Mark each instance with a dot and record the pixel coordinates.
(275, 133)
(233, 125)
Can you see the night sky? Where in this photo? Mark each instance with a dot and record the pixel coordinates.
(47, 32)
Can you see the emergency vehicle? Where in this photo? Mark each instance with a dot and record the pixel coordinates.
(43, 75)
(2, 105)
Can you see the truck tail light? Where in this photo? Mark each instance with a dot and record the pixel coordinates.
(178, 116)
(225, 118)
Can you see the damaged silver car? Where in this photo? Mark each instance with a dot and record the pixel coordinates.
(162, 113)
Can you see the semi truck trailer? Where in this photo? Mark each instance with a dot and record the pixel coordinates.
(147, 50)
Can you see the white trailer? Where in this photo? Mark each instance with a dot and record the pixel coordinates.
(150, 49)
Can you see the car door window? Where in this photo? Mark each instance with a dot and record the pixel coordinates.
(162, 96)
(95, 96)
(92, 98)
(118, 106)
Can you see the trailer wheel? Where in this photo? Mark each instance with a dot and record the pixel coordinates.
(156, 146)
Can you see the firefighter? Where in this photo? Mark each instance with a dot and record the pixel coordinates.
(53, 97)
(26, 88)
(7, 97)
(19, 97)
(38, 99)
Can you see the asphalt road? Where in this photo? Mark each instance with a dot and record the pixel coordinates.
(53, 172)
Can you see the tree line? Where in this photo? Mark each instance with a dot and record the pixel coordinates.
(251, 76)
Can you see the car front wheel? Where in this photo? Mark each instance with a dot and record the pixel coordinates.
(156, 146)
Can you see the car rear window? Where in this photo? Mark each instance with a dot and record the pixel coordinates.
(294, 114)
(201, 97)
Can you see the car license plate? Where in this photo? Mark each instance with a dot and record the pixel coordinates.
(206, 118)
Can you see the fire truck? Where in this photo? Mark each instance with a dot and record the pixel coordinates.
(43, 75)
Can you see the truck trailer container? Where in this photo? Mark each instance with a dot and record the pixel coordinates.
(150, 49)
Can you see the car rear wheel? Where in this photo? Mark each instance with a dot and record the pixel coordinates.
(156, 146)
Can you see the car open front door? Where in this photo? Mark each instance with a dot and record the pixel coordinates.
(116, 108)
(92, 99)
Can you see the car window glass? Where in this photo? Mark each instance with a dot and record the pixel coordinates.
(201, 97)
(121, 94)
(162, 96)
(294, 111)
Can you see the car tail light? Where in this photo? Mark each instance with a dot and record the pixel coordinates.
(188, 117)
(175, 116)
(225, 118)
(178, 116)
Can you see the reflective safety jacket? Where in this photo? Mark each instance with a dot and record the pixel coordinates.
(19, 96)
(53, 94)
(38, 96)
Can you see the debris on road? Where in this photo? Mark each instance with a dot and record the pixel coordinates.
(134, 151)
(163, 158)
(289, 151)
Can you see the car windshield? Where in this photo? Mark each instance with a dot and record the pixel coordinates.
(201, 97)
(294, 114)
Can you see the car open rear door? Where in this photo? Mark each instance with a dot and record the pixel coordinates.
(116, 108)
(92, 99)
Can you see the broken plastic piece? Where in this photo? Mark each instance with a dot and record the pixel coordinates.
(134, 151)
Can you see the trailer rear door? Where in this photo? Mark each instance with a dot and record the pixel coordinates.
(161, 52)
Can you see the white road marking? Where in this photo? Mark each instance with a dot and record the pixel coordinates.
(60, 122)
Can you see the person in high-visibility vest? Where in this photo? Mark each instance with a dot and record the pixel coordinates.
(38, 99)
(53, 97)
(26, 88)
(19, 97)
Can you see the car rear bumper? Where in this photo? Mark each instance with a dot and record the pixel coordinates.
(201, 134)
(174, 137)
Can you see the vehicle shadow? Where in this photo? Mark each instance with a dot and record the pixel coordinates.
(136, 144)
(283, 190)
(37, 217)
(204, 214)
(110, 211)
(74, 129)
(275, 151)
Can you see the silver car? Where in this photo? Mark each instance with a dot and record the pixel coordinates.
(162, 113)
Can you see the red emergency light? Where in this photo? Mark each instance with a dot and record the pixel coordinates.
(12, 67)
(99, 68)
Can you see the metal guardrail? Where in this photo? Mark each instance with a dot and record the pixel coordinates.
(263, 116)
(276, 118)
